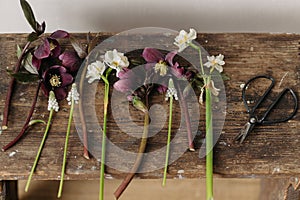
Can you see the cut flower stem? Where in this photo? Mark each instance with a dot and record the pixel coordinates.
(168, 142)
(63, 169)
(26, 124)
(187, 119)
(139, 158)
(209, 146)
(11, 87)
(104, 136)
(39, 150)
(81, 111)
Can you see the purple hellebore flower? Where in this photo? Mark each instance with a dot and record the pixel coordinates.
(56, 78)
(155, 58)
(70, 60)
(49, 48)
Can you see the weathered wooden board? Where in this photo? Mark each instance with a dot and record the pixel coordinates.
(270, 150)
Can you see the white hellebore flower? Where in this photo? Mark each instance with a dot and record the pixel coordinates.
(52, 103)
(215, 62)
(95, 70)
(73, 95)
(171, 90)
(184, 38)
(116, 60)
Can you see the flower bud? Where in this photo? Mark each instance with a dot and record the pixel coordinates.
(138, 104)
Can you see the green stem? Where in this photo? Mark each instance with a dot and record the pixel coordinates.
(200, 56)
(102, 167)
(40, 150)
(65, 150)
(209, 145)
(168, 141)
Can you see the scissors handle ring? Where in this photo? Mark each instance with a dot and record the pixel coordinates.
(262, 97)
(283, 92)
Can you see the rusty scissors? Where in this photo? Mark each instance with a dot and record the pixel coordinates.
(254, 119)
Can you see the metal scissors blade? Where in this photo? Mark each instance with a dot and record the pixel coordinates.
(244, 132)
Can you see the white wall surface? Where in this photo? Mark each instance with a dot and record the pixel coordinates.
(119, 15)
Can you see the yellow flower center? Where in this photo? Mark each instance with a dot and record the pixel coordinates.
(52, 46)
(162, 67)
(184, 39)
(55, 81)
(115, 63)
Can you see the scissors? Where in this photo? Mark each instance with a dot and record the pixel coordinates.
(253, 118)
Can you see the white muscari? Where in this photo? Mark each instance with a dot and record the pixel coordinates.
(171, 91)
(215, 62)
(116, 60)
(183, 40)
(52, 102)
(95, 70)
(73, 95)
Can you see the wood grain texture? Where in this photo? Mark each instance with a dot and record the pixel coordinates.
(270, 150)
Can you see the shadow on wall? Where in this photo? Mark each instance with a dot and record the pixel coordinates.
(120, 15)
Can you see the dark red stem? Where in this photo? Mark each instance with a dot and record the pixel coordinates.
(11, 87)
(187, 119)
(139, 157)
(81, 111)
(26, 124)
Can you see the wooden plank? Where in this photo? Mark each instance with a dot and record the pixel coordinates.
(8, 190)
(268, 151)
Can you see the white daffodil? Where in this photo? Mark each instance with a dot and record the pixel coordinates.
(73, 95)
(95, 70)
(183, 39)
(171, 90)
(52, 103)
(116, 60)
(215, 62)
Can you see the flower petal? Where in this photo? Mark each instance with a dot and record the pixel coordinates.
(177, 71)
(60, 93)
(66, 79)
(162, 89)
(152, 55)
(170, 56)
(70, 60)
(59, 34)
(43, 51)
(123, 85)
(45, 89)
(36, 62)
(54, 47)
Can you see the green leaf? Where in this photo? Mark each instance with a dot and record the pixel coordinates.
(28, 65)
(23, 77)
(32, 37)
(28, 14)
(78, 47)
(19, 51)
(225, 77)
(137, 61)
(32, 122)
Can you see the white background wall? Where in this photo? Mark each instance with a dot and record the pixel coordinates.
(118, 15)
